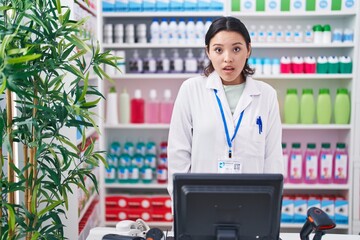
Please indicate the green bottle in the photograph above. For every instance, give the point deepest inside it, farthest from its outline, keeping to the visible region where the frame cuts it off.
(307, 107)
(323, 106)
(291, 107)
(342, 106)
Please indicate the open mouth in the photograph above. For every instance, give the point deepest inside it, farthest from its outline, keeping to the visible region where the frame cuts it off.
(228, 69)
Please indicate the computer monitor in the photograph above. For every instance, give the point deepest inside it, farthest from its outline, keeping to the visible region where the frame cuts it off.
(227, 206)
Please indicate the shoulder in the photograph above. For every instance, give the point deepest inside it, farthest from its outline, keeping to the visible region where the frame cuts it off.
(263, 87)
(193, 81)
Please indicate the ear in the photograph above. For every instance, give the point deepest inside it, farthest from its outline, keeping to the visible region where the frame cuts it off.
(249, 51)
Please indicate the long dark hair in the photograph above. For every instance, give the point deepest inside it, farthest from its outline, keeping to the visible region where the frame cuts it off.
(230, 24)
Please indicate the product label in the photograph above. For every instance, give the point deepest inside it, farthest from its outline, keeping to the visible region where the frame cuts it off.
(110, 173)
(123, 174)
(326, 166)
(311, 168)
(341, 166)
(296, 168)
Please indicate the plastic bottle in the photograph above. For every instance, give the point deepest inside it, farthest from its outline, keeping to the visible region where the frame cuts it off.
(262, 34)
(342, 106)
(279, 35)
(309, 34)
(164, 31)
(162, 170)
(115, 148)
(176, 5)
(318, 33)
(124, 107)
(291, 107)
(307, 107)
(325, 163)
(286, 162)
(137, 108)
(298, 34)
(285, 64)
(348, 35)
(123, 168)
(141, 33)
(345, 64)
(112, 108)
(323, 106)
(267, 66)
(108, 33)
(337, 35)
(208, 23)
(130, 33)
(190, 31)
(275, 66)
(253, 33)
(140, 149)
(202, 61)
(295, 164)
(204, 5)
(166, 107)
(181, 31)
(309, 64)
(333, 64)
(190, 62)
(149, 5)
(326, 34)
(149, 63)
(146, 172)
(129, 148)
(199, 31)
(259, 66)
(289, 35)
(119, 33)
(270, 34)
(341, 164)
(163, 63)
(322, 65)
(137, 163)
(162, 5)
(310, 164)
(173, 31)
(190, 5)
(176, 63)
(297, 65)
(155, 31)
(152, 109)
(151, 148)
(135, 63)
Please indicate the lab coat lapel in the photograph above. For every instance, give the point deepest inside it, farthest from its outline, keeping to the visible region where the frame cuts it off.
(214, 82)
(246, 98)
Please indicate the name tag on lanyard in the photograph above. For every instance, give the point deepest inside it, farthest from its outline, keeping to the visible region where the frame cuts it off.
(229, 166)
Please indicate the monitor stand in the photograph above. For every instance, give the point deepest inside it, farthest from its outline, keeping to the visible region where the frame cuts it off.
(226, 234)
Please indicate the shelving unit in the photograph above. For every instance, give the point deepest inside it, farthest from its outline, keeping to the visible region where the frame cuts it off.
(298, 132)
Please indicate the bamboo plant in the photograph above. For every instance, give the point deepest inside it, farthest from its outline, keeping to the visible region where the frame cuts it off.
(44, 79)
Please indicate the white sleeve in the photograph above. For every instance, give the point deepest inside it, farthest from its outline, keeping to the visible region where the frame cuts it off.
(273, 150)
(180, 136)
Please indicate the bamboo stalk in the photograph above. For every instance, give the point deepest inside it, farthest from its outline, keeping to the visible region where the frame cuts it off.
(27, 189)
(11, 174)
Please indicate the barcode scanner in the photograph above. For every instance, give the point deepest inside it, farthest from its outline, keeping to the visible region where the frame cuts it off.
(318, 221)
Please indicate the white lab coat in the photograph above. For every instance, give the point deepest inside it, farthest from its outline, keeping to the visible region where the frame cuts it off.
(197, 137)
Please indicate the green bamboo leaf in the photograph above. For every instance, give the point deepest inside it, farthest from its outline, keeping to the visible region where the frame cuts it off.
(35, 235)
(63, 140)
(58, 6)
(49, 208)
(17, 51)
(77, 55)
(33, 205)
(3, 84)
(64, 194)
(11, 216)
(23, 59)
(103, 73)
(78, 42)
(85, 87)
(91, 104)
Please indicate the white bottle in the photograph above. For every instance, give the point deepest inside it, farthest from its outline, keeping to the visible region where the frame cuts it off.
(112, 107)
(289, 35)
(261, 34)
(130, 33)
(203, 61)
(176, 63)
(190, 63)
(119, 33)
(155, 31)
(141, 33)
(166, 107)
(149, 63)
(181, 31)
(190, 31)
(280, 36)
(253, 34)
(163, 63)
(270, 34)
(309, 34)
(124, 107)
(173, 31)
(108, 33)
(208, 22)
(164, 31)
(199, 31)
(298, 34)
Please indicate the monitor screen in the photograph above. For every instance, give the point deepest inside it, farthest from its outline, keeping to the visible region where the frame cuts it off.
(227, 206)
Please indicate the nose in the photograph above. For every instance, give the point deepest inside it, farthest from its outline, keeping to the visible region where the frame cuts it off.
(228, 57)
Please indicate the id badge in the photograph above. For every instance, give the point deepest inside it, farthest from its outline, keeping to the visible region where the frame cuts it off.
(229, 166)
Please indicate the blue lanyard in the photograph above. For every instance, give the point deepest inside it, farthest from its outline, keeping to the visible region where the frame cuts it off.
(229, 141)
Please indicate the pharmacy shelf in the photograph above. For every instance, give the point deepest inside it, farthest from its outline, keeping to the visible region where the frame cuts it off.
(254, 45)
(83, 211)
(177, 76)
(163, 14)
(287, 15)
(136, 185)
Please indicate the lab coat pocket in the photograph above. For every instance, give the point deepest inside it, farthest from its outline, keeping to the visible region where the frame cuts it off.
(251, 142)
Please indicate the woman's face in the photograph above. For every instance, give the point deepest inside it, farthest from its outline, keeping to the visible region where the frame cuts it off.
(227, 52)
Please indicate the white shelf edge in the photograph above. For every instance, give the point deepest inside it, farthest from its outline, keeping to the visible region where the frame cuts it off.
(137, 126)
(87, 205)
(293, 14)
(136, 185)
(254, 45)
(257, 77)
(332, 186)
(163, 14)
(316, 126)
(86, 7)
(159, 224)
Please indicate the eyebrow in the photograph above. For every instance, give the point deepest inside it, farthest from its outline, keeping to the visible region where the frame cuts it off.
(218, 44)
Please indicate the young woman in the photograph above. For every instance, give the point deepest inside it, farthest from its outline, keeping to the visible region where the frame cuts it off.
(225, 122)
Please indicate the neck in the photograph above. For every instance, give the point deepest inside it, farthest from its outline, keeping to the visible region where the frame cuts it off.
(236, 81)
